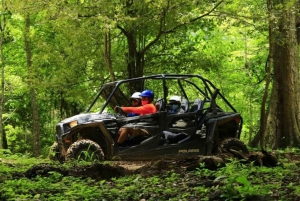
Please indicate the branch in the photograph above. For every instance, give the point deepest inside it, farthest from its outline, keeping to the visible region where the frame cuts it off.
(161, 32)
(193, 20)
(122, 30)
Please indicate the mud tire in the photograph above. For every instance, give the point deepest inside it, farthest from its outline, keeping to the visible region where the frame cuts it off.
(86, 150)
(235, 144)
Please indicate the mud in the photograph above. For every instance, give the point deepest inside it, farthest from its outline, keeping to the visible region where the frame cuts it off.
(117, 169)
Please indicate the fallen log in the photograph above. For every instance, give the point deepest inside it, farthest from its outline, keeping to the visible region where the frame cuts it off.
(262, 158)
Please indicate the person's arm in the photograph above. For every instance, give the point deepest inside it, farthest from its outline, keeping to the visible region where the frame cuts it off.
(145, 109)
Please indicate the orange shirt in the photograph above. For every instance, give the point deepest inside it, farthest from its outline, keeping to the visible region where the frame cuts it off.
(141, 110)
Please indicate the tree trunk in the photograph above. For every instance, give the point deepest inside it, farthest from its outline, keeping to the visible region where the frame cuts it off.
(3, 25)
(135, 64)
(286, 77)
(263, 115)
(254, 142)
(271, 123)
(34, 106)
(251, 121)
(107, 55)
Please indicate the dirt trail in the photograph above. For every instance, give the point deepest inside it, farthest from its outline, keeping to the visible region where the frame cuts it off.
(115, 169)
(131, 165)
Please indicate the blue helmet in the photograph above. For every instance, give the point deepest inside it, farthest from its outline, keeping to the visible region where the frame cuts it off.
(148, 93)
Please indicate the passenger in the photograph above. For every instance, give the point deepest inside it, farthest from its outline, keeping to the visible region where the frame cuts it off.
(173, 137)
(136, 101)
(146, 108)
(175, 102)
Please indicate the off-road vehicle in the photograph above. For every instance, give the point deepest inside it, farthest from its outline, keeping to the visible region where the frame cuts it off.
(209, 122)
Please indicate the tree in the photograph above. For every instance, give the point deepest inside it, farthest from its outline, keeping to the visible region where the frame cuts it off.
(139, 42)
(2, 38)
(283, 120)
(34, 106)
(142, 25)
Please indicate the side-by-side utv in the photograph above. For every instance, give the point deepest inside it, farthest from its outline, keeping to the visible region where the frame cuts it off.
(209, 122)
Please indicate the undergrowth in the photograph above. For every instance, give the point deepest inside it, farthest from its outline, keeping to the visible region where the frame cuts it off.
(235, 181)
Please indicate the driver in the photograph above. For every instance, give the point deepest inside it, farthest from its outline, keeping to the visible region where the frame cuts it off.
(146, 108)
(136, 101)
(147, 105)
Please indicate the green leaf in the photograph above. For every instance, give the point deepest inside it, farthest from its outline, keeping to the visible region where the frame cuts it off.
(243, 180)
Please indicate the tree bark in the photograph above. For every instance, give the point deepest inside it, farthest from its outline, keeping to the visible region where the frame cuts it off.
(135, 63)
(34, 106)
(107, 55)
(286, 76)
(251, 121)
(3, 25)
(255, 141)
(263, 115)
(271, 117)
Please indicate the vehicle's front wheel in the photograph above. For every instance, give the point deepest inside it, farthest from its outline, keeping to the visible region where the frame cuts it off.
(235, 144)
(86, 150)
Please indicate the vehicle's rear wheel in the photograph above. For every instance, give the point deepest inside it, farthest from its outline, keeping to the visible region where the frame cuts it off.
(86, 150)
(234, 144)
(54, 153)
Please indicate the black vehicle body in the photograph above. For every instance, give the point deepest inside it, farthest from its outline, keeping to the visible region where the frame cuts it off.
(205, 120)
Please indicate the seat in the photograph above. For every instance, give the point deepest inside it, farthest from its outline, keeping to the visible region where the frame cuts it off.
(198, 104)
(185, 105)
(159, 104)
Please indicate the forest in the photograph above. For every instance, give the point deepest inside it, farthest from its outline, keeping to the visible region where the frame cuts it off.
(56, 55)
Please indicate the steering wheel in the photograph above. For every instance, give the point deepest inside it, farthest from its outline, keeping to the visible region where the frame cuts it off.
(120, 112)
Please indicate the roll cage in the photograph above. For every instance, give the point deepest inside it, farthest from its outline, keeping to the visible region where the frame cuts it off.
(108, 90)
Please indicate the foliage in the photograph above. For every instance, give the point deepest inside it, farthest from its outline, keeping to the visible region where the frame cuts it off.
(228, 46)
(233, 182)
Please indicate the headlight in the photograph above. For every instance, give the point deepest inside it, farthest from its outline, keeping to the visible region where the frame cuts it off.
(73, 123)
